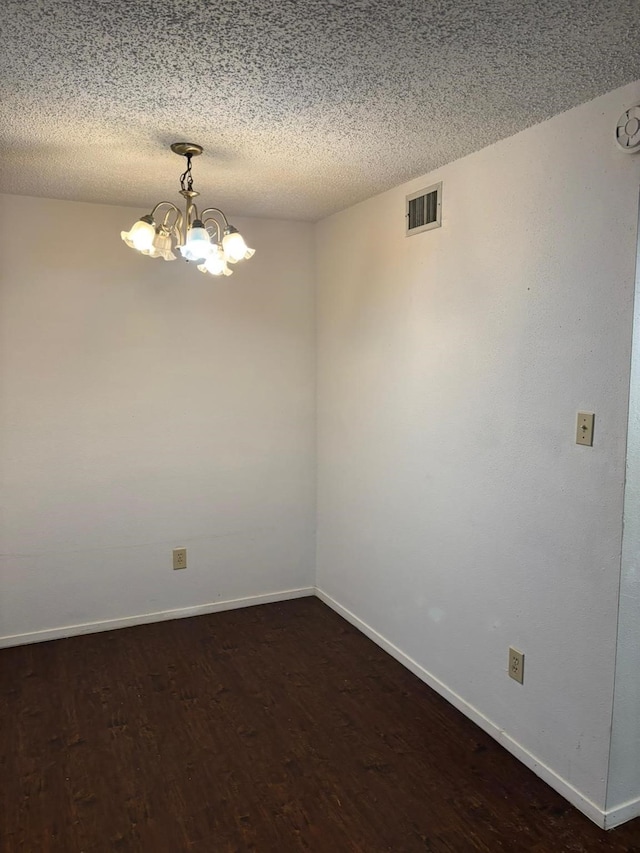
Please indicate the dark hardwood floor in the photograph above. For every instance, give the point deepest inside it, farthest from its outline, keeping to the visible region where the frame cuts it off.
(275, 728)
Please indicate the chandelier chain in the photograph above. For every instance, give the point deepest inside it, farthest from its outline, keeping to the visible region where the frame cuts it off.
(186, 179)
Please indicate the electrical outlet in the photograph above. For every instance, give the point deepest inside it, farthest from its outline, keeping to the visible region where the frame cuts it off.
(516, 665)
(179, 558)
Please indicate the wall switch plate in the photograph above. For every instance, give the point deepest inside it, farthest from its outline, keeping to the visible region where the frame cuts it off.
(179, 558)
(516, 665)
(584, 429)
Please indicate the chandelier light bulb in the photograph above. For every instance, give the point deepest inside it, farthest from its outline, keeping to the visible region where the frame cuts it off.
(141, 235)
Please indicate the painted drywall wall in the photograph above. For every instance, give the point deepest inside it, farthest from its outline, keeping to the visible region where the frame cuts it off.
(623, 793)
(456, 514)
(146, 406)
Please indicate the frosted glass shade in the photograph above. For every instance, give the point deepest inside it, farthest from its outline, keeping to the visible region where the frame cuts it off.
(198, 243)
(162, 247)
(141, 235)
(235, 248)
(216, 263)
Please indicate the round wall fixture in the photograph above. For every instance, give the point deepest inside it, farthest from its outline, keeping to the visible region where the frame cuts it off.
(628, 131)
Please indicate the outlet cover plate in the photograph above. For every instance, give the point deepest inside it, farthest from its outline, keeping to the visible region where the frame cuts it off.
(179, 558)
(584, 429)
(516, 665)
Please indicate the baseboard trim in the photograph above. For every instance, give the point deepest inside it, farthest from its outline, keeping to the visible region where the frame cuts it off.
(621, 814)
(564, 788)
(158, 616)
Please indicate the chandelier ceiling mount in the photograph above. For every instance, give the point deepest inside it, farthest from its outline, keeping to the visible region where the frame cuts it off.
(186, 149)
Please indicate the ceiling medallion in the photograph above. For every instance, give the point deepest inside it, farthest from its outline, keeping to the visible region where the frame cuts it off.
(206, 237)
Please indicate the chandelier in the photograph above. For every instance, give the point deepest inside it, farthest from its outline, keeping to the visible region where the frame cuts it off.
(206, 237)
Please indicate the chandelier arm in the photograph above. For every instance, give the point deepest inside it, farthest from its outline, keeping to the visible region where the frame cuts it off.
(169, 204)
(190, 214)
(216, 210)
(215, 222)
(176, 225)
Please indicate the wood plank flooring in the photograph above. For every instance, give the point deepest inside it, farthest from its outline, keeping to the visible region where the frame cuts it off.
(275, 728)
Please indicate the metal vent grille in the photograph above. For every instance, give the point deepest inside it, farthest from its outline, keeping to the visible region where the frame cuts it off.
(424, 210)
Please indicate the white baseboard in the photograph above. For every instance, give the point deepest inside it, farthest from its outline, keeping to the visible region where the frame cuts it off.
(159, 616)
(564, 788)
(621, 814)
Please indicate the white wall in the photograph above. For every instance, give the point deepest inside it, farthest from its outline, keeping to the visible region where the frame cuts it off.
(623, 793)
(456, 514)
(146, 406)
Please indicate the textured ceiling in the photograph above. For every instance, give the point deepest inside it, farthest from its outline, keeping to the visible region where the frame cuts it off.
(303, 106)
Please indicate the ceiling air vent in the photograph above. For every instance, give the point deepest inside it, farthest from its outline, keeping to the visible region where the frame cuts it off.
(424, 210)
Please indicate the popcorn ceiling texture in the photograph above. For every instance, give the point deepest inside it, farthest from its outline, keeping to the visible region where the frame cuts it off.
(303, 106)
